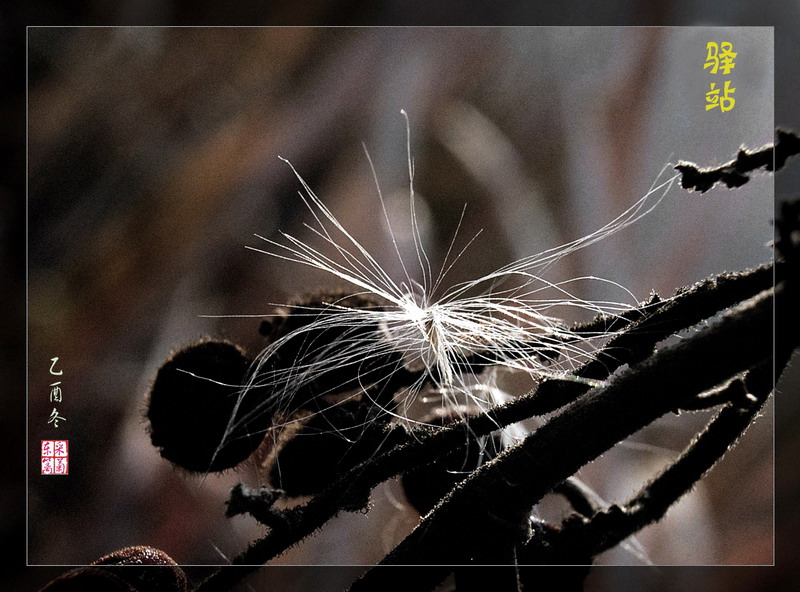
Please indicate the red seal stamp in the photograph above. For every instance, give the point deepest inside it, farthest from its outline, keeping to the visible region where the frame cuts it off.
(55, 457)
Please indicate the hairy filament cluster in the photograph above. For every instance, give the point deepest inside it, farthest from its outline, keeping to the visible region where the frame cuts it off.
(351, 345)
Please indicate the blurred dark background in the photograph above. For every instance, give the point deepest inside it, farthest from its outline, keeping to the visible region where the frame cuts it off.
(153, 159)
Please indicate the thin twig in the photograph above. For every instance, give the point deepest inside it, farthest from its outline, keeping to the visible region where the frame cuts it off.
(737, 172)
(608, 528)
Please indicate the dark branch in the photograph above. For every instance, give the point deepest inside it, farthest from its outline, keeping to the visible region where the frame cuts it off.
(578, 495)
(737, 172)
(687, 308)
(608, 528)
(494, 503)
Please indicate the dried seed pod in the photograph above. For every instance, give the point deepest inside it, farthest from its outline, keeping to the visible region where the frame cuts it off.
(426, 485)
(318, 331)
(326, 445)
(168, 577)
(117, 572)
(193, 398)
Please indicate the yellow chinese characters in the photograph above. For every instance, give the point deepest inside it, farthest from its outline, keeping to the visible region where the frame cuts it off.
(719, 59)
(715, 59)
(724, 102)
